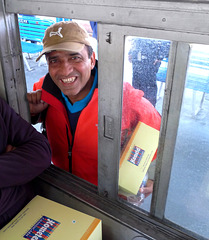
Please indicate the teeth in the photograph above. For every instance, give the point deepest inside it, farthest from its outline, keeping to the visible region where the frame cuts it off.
(69, 80)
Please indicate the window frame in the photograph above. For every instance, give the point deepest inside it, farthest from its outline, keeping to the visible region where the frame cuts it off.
(174, 88)
(115, 20)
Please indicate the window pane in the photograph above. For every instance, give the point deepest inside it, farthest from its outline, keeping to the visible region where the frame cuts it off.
(32, 29)
(145, 67)
(188, 196)
(67, 142)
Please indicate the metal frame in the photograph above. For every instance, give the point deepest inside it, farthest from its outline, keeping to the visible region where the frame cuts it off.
(178, 16)
(119, 222)
(174, 90)
(12, 64)
(2, 86)
(182, 22)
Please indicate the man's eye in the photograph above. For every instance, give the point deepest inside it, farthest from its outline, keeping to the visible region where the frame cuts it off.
(77, 58)
(52, 60)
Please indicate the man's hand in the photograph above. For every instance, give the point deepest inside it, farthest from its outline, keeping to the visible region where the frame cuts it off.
(9, 148)
(35, 103)
(148, 189)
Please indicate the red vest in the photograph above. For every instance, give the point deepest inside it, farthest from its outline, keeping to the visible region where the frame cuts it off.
(38, 85)
(85, 147)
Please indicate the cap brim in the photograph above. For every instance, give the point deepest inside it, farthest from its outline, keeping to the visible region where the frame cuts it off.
(67, 46)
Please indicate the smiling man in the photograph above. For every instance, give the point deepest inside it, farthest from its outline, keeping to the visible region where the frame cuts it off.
(71, 72)
(68, 102)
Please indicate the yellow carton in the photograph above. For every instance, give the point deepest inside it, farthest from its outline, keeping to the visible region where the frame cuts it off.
(44, 219)
(137, 157)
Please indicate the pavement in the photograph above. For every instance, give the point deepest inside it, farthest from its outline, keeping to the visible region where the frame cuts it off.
(38, 70)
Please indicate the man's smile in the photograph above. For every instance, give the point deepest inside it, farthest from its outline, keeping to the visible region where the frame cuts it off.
(68, 80)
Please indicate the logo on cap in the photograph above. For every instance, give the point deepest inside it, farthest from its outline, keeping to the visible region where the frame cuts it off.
(56, 33)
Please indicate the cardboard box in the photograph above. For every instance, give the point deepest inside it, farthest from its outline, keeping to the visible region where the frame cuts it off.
(137, 157)
(44, 219)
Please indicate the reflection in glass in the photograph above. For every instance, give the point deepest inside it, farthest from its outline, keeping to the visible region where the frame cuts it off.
(145, 67)
(145, 57)
(188, 196)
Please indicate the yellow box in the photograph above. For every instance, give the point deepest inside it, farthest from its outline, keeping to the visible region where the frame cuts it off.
(137, 157)
(44, 219)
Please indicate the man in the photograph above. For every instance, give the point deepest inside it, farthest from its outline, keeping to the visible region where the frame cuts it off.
(24, 154)
(68, 101)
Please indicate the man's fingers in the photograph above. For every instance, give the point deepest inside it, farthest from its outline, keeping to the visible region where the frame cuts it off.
(34, 97)
(148, 189)
(35, 103)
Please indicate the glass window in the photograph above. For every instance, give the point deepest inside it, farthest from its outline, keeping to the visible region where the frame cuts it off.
(188, 195)
(32, 32)
(144, 76)
(145, 67)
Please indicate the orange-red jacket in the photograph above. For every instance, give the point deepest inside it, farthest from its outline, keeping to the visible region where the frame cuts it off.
(38, 85)
(85, 146)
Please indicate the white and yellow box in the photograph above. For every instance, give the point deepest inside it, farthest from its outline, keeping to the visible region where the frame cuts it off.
(43, 219)
(136, 157)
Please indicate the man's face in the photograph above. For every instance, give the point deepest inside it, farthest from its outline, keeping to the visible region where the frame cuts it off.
(71, 72)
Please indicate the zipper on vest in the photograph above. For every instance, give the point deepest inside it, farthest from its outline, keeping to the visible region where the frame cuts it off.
(69, 151)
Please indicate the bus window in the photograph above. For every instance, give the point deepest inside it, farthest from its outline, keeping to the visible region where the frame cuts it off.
(189, 172)
(32, 29)
(188, 199)
(32, 32)
(145, 68)
(189, 168)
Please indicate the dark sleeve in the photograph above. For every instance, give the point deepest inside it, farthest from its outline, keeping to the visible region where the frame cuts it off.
(135, 47)
(94, 28)
(164, 49)
(32, 154)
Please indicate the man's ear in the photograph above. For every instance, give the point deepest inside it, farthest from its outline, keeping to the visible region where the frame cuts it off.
(93, 60)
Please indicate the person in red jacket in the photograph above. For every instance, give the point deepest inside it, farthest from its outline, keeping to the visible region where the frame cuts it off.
(68, 102)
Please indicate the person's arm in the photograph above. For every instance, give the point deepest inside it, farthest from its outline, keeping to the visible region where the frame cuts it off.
(147, 190)
(34, 98)
(136, 108)
(35, 103)
(29, 152)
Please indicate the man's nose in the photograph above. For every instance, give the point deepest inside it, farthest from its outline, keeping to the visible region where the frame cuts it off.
(66, 68)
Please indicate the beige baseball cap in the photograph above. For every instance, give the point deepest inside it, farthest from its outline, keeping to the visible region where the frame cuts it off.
(64, 36)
